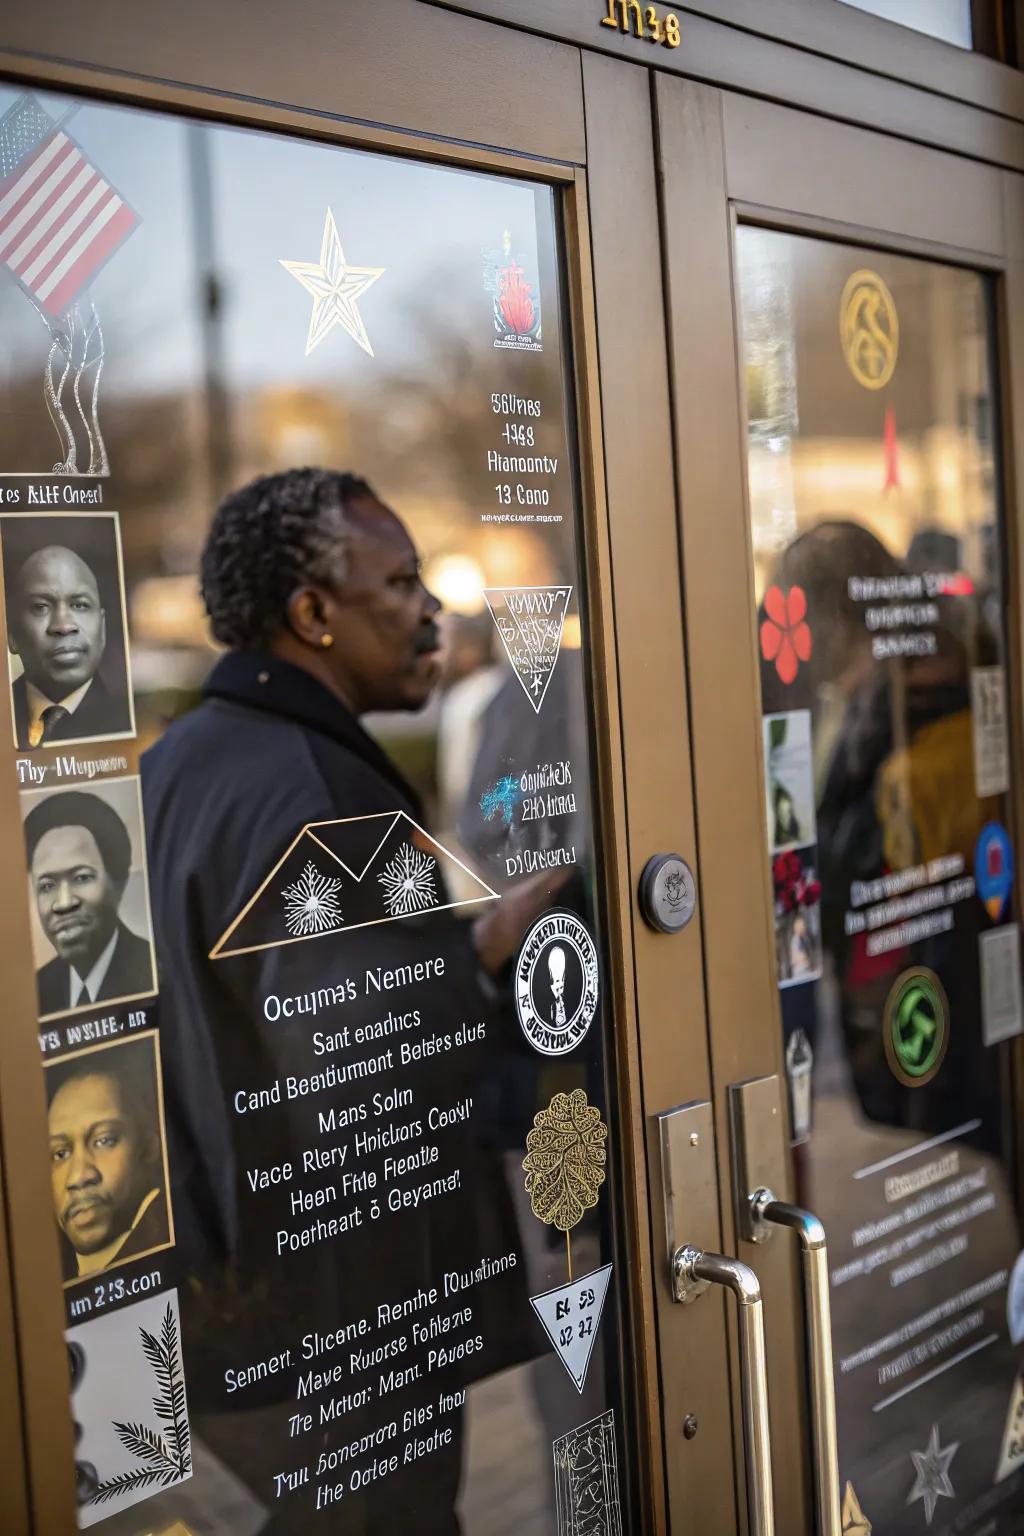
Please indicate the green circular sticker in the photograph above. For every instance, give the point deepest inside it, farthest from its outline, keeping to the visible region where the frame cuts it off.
(916, 1026)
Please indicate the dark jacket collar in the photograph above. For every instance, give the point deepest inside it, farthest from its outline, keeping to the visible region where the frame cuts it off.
(266, 683)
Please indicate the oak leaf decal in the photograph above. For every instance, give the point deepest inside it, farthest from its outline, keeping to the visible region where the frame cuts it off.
(565, 1160)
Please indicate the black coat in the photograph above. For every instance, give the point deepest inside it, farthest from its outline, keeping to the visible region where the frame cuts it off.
(226, 791)
(101, 713)
(129, 974)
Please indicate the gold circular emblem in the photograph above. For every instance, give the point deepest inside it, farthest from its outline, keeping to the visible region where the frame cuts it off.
(869, 328)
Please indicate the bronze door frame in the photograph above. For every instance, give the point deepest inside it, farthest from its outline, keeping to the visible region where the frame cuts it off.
(726, 159)
(420, 83)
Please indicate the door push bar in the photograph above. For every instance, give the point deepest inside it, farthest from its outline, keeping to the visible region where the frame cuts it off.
(691, 1206)
(758, 1150)
(692, 1272)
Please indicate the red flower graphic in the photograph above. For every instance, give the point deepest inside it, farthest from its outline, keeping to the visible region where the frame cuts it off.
(516, 299)
(785, 637)
(794, 886)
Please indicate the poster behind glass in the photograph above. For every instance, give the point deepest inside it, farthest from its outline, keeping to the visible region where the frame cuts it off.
(878, 555)
(325, 1059)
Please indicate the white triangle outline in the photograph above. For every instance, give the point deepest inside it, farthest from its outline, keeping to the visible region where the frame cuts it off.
(552, 587)
(605, 1269)
(218, 952)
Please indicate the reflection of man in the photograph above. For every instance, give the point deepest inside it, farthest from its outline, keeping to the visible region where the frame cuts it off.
(314, 586)
(106, 1166)
(79, 856)
(57, 626)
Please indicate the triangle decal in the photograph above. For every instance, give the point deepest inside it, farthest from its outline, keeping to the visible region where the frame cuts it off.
(530, 621)
(855, 1521)
(571, 1316)
(339, 875)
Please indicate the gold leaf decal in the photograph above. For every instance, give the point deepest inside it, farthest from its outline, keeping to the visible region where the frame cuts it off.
(565, 1158)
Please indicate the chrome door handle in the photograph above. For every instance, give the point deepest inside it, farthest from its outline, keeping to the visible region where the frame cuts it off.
(766, 1211)
(693, 1271)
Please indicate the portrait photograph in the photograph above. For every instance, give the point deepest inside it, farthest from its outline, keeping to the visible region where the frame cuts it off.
(789, 780)
(67, 644)
(797, 888)
(108, 1155)
(92, 934)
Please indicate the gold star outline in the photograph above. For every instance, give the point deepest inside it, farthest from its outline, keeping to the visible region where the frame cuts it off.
(335, 286)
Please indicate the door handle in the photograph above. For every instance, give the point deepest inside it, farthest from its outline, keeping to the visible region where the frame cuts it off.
(693, 1270)
(767, 1212)
(759, 1159)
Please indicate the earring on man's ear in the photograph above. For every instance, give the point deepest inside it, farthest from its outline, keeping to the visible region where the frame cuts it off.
(326, 641)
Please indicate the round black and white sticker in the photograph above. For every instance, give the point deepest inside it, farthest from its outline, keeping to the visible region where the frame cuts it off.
(556, 983)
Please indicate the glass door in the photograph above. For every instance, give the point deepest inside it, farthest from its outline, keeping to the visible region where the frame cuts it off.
(866, 557)
(879, 551)
(311, 937)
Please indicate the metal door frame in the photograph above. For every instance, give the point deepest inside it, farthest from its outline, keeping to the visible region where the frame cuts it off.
(726, 159)
(420, 83)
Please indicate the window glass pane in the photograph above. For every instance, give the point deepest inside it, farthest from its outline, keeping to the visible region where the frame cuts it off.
(878, 556)
(948, 19)
(335, 1186)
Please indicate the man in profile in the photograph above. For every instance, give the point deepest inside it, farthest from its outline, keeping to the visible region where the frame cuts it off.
(79, 857)
(106, 1163)
(57, 626)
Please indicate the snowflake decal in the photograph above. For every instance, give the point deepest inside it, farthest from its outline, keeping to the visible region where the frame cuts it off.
(311, 904)
(408, 881)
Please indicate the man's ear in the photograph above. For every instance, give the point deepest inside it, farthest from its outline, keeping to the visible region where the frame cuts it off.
(12, 644)
(306, 615)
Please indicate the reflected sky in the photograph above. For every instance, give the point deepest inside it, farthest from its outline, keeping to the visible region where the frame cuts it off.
(268, 204)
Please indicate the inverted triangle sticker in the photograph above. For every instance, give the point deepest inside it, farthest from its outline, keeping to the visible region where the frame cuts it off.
(340, 875)
(530, 621)
(571, 1315)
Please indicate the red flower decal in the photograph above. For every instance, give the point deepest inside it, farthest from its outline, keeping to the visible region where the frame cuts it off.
(785, 636)
(794, 886)
(516, 299)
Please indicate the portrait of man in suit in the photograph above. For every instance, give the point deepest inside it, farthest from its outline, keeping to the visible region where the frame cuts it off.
(80, 856)
(72, 684)
(108, 1171)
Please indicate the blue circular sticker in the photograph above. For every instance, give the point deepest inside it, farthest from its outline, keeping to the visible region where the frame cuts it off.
(993, 869)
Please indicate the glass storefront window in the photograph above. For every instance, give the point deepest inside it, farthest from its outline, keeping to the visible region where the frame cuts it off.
(322, 1011)
(949, 20)
(878, 555)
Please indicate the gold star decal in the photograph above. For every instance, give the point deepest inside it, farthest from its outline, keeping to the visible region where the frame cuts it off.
(335, 287)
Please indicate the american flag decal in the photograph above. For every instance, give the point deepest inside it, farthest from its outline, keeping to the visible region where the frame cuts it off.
(60, 219)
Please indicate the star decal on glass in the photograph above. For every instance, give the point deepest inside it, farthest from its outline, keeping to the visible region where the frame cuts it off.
(931, 1466)
(408, 881)
(335, 287)
(311, 904)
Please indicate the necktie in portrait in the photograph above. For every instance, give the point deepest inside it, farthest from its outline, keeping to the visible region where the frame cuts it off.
(42, 730)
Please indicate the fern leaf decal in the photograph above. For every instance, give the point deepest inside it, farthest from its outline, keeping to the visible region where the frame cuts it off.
(163, 1459)
(143, 1443)
(127, 1482)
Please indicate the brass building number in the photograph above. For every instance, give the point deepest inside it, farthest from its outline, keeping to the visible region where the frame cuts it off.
(643, 21)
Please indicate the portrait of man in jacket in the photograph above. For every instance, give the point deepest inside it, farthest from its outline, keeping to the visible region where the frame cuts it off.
(57, 627)
(107, 1157)
(79, 856)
